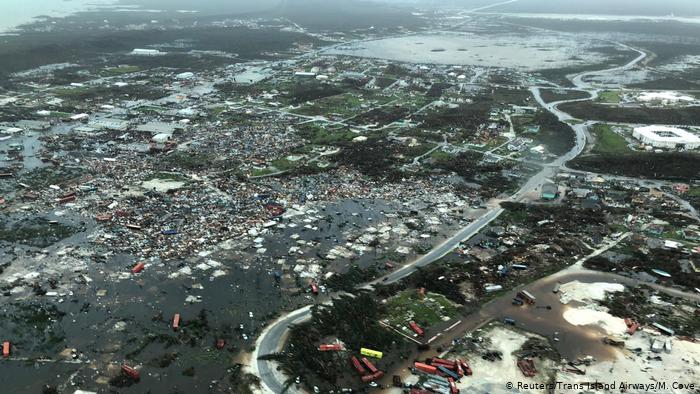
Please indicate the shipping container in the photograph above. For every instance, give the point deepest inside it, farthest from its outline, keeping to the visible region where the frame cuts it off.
(331, 348)
(453, 387)
(6, 349)
(663, 329)
(138, 268)
(130, 372)
(357, 365)
(416, 328)
(425, 368)
(467, 368)
(176, 322)
(66, 200)
(448, 372)
(369, 365)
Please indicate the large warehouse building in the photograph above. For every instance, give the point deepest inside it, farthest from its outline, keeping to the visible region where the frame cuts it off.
(666, 137)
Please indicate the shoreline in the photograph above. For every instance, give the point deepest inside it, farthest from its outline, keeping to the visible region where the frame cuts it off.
(12, 24)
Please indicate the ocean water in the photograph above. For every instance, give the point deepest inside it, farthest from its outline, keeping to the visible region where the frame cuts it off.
(16, 12)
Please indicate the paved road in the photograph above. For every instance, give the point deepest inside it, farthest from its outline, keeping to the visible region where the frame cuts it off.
(272, 339)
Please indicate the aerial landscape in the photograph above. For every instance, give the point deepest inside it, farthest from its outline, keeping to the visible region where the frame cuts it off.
(350, 196)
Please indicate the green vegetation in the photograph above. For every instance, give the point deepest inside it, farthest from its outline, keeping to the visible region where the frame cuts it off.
(353, 320)
(407, 306)
(552, 95)
(318, 134)
(554, 134)
(610, 97)
(35, 232)
(344, 105)
(33, 326)
(608, 141)
(672, 166)
(120, 70)
(607, 113)
(310, 91)
(633, 303)
(353, 277)
(45, 176)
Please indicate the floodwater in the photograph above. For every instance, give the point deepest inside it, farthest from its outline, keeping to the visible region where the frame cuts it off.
(532, 52)
(574, 341)
(18, 12)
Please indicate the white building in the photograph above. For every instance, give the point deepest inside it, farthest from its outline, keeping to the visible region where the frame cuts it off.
(666, 137)
(146, 52)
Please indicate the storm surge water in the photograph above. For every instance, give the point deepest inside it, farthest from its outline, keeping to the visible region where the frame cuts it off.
(17, 12)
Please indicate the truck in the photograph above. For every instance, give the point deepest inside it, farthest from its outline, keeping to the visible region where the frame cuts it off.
(6, 349)
(416, 328)
(314, 288)
(527, 296)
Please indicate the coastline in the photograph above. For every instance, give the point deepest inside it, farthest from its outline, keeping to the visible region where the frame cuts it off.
(23, 12)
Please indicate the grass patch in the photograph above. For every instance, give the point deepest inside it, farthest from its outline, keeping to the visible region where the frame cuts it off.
(407, 306)
(610, 97)
(319, 135)
(608, 141)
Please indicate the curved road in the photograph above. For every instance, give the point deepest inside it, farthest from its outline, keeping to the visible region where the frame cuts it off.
(272, 339)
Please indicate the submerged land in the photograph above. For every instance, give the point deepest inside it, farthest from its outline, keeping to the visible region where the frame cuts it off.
(240, 203)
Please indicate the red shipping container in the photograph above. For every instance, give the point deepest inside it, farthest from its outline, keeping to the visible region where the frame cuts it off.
(358, 367)
(176, 322)
(369, 365)
(425, 368)
(131, 372)
(416, 328)
(138, 268)
(6, 349)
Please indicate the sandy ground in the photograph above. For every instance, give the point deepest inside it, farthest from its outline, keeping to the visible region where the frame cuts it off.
(635, 363)
(591, 314)
(491, 377)
(682, 365)
(586, 292)
(595, 316)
